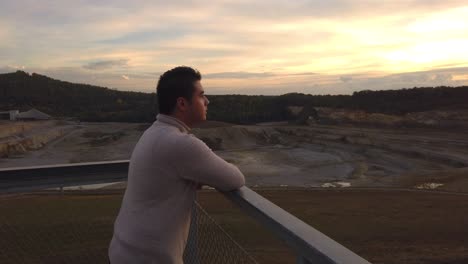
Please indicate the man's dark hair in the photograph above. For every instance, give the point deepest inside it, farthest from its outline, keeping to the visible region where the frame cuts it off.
(175, 83)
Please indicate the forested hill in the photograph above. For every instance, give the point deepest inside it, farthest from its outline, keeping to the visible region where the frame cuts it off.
(22, 91)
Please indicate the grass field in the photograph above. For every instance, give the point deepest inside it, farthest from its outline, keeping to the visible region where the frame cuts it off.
(383, 226)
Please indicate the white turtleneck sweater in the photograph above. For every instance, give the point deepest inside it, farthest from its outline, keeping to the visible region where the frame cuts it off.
(165, 169)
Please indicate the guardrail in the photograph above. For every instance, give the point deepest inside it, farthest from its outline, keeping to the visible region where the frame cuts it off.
(23, 179)
(310, 245)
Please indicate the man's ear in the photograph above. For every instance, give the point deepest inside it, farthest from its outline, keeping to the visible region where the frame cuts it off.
(181, 104)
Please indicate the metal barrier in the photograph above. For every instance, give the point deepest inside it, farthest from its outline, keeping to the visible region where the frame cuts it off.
(310, 245)
(25, 179)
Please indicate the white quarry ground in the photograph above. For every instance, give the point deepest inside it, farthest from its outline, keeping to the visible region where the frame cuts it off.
(429, 185)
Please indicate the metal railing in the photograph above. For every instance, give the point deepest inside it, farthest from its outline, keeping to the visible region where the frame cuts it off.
(23, 179)
(309, 244)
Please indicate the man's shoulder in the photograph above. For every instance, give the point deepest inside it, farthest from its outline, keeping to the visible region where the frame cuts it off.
(188, 140)
(175, 137)
(163, 130)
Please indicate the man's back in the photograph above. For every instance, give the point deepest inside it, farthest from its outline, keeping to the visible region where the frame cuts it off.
(165, 169)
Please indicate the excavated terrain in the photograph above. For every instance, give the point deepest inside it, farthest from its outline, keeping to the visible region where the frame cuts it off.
(334, 156)
(275, 155)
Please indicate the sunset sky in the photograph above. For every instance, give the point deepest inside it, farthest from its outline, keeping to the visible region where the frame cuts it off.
(241, 47)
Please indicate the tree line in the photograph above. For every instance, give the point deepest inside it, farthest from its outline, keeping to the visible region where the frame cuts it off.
(22, 91)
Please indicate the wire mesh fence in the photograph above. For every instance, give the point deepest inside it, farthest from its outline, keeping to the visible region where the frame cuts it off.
(209, 243)
(76, 227)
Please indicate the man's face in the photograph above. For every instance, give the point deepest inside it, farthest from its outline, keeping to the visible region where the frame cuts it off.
(198, 105)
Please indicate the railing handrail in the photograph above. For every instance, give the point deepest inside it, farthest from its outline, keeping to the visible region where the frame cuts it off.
(309, 243)
(22, 179)
(301, 237)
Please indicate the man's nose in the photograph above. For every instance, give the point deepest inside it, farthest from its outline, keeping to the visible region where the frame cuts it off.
(206, 101)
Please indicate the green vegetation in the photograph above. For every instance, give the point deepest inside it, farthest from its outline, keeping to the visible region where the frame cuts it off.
(22, 91)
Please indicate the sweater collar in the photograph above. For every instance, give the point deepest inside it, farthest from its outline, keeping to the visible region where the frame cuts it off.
(173, 122)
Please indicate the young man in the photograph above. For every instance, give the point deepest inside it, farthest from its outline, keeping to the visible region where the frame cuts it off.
(166, 167)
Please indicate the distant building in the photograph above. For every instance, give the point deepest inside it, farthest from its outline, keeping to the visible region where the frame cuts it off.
(9, 115)
(33, 114)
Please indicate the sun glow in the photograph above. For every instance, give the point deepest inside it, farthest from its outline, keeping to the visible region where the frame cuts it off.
(436, 52)
(453, 20)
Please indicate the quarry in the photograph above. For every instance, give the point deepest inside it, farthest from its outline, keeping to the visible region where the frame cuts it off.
(272, 154)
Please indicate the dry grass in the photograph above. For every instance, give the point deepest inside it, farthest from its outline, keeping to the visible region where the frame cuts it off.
(382, 226)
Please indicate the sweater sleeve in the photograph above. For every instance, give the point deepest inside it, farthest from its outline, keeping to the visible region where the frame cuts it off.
(197, 162)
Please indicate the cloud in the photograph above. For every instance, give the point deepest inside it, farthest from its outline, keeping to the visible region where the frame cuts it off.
(443, 78)
(248, 75)
(333, 46)
(146, 36)
(11, 68)
(237, 75)
(285, 10)
(302, 74)
(334, 84)
(431, 78)
(105, 64)
(346, 78)
(6, 69)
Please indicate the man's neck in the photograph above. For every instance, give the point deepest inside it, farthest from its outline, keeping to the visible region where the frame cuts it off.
(182, 119)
